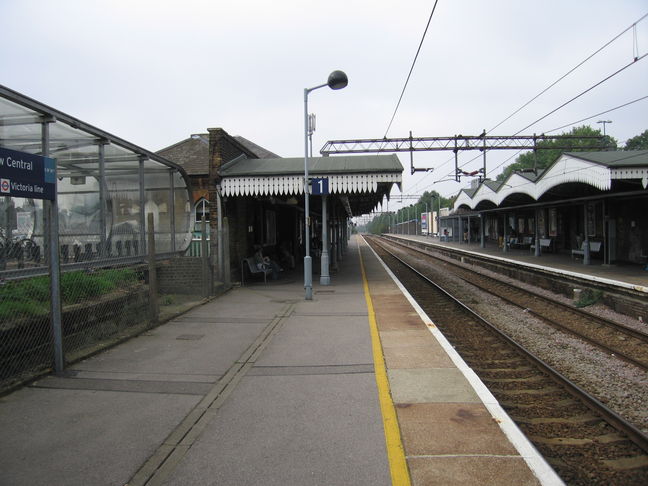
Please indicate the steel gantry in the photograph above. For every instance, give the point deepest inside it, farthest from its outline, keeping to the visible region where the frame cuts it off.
(456, 144)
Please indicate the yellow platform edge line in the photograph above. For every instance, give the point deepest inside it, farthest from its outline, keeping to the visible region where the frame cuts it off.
(395, 451)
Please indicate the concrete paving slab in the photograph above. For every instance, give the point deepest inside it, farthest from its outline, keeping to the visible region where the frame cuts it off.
(470, 471)
(82, 437)
(422, 385)
(448, 429)
(397, 339)
(166, 349)
(415, 357)
(280, 430)
(390, 315)
(413, 349)
(319, 340)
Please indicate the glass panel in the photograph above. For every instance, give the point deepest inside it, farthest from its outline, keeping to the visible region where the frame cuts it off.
(80, 219)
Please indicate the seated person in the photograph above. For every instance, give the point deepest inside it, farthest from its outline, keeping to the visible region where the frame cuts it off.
(286, 256)
(265, 262)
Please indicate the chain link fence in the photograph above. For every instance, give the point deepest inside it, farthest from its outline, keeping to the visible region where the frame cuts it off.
(105, 293)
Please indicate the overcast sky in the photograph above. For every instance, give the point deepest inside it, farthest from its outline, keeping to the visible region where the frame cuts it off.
(154, 72)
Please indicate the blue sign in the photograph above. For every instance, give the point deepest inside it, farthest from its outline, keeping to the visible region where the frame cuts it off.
(320, 186)
(27, 175)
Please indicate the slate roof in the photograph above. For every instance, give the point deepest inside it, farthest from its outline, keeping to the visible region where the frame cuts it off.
(257, 150)
(193, 153)
(614, 158)
(356, 164)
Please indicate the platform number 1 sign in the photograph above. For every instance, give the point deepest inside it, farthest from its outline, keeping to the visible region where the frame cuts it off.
(320, 186)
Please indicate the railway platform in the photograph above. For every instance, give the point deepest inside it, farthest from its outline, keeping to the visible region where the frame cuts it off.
(260, 386)
(624, 275)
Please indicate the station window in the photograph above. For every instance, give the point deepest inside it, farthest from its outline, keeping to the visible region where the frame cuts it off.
(202, 208)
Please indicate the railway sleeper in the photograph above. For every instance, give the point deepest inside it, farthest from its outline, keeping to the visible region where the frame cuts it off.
(565, 402)
(529, 391)
(574, 441)
(587, 419)
(520, 379)
(505, 370)
(626, 463)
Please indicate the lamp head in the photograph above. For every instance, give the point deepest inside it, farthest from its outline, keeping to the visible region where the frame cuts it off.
(337, 80)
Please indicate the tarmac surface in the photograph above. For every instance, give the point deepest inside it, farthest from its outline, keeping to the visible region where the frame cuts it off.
(260, 386)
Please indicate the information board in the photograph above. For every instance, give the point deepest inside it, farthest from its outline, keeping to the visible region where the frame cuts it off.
(27, 175)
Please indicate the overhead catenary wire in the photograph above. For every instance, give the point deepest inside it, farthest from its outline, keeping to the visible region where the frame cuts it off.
(598, 114)
(607, 78)
(636, 58)
(411, 69)
(616, 37)
(574, 123)
(607, 44)
(547, 131)
(634, 61)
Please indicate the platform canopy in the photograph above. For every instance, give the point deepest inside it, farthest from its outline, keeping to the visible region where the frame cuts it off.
(361, 182)
(569, 176)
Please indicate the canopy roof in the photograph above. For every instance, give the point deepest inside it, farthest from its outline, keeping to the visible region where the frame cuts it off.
(594, 171)
(362, 181)
(72, 142)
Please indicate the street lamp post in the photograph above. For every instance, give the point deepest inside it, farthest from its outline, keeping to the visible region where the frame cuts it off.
(604, 122)
(336, 80)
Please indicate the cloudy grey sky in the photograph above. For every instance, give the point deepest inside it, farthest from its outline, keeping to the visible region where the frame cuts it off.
(153, 72)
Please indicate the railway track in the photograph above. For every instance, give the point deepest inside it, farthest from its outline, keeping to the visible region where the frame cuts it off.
(585, 442)
(613, 338)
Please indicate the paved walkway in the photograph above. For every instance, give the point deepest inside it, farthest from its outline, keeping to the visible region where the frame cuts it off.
(255, 387)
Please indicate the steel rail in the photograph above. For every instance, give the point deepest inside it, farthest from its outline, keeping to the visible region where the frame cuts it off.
(614, 419)
(578, 312)
(622, 328)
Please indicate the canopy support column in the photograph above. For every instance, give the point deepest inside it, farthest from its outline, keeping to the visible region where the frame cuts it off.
(325, 278)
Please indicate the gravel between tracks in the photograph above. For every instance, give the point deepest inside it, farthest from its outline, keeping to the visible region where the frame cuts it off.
(621, 386)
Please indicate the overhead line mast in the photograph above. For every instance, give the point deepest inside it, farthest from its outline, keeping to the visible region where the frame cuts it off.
(456, 144)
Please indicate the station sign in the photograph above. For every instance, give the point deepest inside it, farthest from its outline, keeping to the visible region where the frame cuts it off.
(320, 186)
(27, 175)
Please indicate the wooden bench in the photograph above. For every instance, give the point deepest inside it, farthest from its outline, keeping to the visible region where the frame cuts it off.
(545, 244)
(595, 247)
(254, 268)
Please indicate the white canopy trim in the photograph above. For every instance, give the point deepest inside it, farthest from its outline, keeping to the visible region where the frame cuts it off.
(632, 173)
(565, 170)
(294, 185)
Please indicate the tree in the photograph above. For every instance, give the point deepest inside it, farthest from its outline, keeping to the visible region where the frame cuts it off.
(640, 142)
(547, 155)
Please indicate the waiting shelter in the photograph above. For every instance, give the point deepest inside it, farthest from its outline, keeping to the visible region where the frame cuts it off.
(267, 198)
(105, 187)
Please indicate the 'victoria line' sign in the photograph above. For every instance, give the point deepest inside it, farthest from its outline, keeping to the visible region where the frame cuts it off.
(27, 175)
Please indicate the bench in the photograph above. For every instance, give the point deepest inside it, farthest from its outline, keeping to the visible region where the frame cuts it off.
(595, 247)
(253, 268)
(545, 244)
(523, 242)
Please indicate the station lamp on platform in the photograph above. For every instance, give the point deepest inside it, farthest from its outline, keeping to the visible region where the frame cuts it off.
(336, 80)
